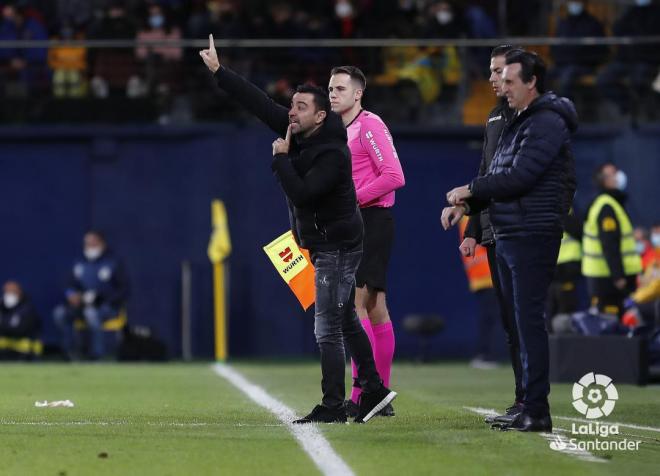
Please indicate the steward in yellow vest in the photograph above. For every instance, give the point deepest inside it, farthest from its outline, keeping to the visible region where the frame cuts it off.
(611, 263)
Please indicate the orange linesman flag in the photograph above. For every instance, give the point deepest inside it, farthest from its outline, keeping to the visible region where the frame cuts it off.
(294, 266)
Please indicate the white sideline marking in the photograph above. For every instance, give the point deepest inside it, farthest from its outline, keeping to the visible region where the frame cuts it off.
(550, 438)
(309, 436)
(129, 423)
(622, 425)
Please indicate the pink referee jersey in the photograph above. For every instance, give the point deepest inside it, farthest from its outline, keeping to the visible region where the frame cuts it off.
(377, 171)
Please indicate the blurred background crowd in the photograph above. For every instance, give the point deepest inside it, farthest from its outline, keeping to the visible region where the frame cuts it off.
(93, 92)
(427, 82)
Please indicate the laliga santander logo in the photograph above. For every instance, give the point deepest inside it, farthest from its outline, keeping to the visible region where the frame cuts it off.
(594, 395)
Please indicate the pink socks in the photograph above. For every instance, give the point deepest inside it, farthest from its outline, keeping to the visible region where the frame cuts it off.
(381, 337)
(384, 350)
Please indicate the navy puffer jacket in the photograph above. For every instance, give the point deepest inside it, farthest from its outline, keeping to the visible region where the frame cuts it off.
(531, 181)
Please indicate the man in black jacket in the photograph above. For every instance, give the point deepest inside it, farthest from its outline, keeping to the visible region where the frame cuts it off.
(629, 75)
(480, 231)
(18, 321)
(575, 61)
(528, 190)
(313, 166)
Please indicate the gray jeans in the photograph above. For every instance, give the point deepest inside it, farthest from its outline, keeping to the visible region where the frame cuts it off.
(335, 320)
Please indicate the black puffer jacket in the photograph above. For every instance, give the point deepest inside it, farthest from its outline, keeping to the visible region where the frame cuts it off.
(316, 175)
(531, 181)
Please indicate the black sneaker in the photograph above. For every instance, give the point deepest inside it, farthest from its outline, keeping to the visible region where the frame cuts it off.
(373, 402)
(387, 411)
(509, 414)
(321, 414)
(351, 408)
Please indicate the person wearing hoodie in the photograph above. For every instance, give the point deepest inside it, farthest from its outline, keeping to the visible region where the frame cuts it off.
(528, 191)
(611, 262)
(313, 165)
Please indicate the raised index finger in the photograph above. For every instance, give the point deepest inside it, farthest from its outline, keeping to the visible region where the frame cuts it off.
(288, 134)
(211, 44)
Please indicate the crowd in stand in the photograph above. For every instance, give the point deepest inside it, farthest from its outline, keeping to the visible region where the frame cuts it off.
(74, 71)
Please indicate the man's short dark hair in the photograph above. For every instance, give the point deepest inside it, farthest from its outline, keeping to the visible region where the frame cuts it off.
(598, 172)
(321, 100)
(356, 74)
(501, 50)
(97, 233)
(531, 65)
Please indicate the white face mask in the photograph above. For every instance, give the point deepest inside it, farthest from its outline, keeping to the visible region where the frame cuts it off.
(156, 21)
(93, 252)
(444, 17)
(655, 240)
(343, 9)
(574, 8)
(10, 300)
(621, 180)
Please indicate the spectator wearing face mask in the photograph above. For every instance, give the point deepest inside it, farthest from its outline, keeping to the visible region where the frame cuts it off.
(22, 70)
(611, 262)
(445, 21)
(97, 291)
(643, 246)
(19, 322)
(574, 61)
(629, 76)
(160, 68)
(156, 27)
(643, 307)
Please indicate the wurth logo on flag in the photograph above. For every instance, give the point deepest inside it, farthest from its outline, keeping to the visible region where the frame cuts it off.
(286, 255)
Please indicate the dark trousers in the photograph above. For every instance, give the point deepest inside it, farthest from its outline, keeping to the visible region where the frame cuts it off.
(526, 266)
(335, 320)
(606, 297)
(488, 316)
(563, 295)
(508, 323)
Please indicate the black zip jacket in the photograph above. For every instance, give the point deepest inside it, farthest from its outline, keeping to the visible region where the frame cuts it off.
(19, 321)
(316, 175)
(479, 226)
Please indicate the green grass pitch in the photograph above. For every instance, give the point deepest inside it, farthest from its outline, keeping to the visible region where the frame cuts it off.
(183, 419)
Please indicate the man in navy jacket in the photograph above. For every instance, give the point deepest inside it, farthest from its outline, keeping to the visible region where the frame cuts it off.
(528, 191)
(97, 291)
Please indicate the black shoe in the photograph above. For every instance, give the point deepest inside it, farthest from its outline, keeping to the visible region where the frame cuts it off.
(351, 408)
(525, 422)
(387, 411)
(373, 402)
(508, 416)
(321, 414)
